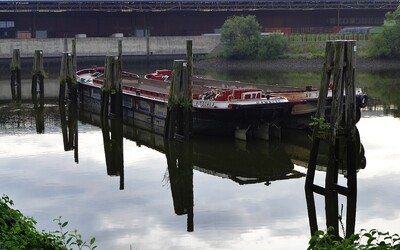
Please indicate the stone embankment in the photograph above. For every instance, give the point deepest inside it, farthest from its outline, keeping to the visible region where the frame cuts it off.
(86, 47)
(157, 47)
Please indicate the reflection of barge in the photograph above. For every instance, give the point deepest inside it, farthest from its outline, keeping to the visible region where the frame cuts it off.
(250, 162)
(245, 163)
(214, 109)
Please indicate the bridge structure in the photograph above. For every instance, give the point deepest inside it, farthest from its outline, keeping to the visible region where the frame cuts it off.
(102, 18)
(191, 5)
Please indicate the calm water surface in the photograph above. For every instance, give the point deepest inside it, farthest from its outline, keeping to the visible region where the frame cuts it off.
(238, 195)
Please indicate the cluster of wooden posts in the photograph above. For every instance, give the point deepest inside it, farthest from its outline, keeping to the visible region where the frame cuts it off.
(342, 137)
(38, 76)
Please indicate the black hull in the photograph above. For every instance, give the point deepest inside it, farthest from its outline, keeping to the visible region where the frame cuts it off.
(151, 113)
(226, 121)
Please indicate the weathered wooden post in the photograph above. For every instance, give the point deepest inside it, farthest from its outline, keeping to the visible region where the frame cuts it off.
(105, 90)
(112, 88)
(120, 53)
(187, 92)
(116, 89)
(341, 135)
(15, 83)
(74, 59)
(179, 116)
(67, 79)
(38, 74)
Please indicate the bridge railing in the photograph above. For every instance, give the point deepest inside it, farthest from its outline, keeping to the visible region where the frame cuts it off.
(325, 37)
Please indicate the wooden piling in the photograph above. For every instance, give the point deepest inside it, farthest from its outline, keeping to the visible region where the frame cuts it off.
(189, 59)
(112, 88)
(179, 115)
(341, 135)
(120, 52)
(38, 74)
(74, 56)
(15, 83)
(67, 79)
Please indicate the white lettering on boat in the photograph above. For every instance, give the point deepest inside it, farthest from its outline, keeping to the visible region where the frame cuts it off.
(204, 103)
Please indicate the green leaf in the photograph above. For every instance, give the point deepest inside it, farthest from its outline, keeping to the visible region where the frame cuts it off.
(64, 224)
(92, 240)
(69, 240)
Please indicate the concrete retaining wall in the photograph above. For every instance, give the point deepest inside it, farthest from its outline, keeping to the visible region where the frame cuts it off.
(54, 47)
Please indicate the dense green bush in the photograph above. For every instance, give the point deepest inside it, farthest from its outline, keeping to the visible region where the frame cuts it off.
(387, 42)
(241, 36)
(364, 240)
(18, 231)
(272, 46)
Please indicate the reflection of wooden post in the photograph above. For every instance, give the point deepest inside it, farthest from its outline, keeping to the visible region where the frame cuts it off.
(179, 117)
(180, 169)
(113, 148)
(69, 128)
(39, 116)
(342, 135)
(38, 74)
(16, 76)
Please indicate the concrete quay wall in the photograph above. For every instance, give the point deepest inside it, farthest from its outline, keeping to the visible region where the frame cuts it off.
(54, 47)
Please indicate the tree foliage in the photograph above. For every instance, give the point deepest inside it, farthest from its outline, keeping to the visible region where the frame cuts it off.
(387, 42)
(365, 240)
(272, 46)
(241, 36)
(18, 231)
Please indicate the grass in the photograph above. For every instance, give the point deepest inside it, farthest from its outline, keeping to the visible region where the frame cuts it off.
(313, 50)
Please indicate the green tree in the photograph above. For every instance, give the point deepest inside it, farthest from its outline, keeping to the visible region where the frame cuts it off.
(240, 36)
(272, 46)
(387, 42)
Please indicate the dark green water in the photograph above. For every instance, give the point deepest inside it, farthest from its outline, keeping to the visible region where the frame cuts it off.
(138, 191)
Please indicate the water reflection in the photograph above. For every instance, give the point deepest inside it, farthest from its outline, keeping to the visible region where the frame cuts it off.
(180, 172)
(69, 128)
(113, 148)
(242, 162)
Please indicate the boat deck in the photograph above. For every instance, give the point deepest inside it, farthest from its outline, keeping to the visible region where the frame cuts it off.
(201, 81)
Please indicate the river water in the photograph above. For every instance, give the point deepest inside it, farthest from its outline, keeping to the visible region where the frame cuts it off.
(213, 193)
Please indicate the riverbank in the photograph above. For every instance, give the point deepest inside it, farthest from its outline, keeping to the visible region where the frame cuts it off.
(290, 65)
